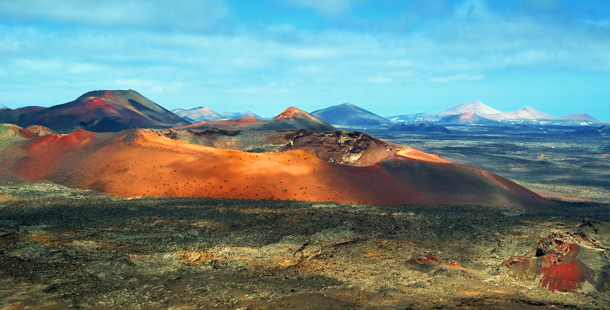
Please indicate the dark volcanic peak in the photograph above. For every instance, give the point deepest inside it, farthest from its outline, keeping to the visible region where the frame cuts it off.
(475, 107)
(198, 114)
(102, 111)
(135, 101)
(349, 114)
(579, 117)
(424, 126)
(467, 118)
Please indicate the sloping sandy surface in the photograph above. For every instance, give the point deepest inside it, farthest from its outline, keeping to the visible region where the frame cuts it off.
(62, 248)
(140, 163)
(351, 148)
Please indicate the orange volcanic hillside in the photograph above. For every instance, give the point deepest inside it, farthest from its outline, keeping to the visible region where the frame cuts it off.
(139, 162)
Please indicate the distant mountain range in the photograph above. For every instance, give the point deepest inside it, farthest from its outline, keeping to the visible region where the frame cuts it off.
(3, 106)
(116, 110)
(349, 114)
(475, 112)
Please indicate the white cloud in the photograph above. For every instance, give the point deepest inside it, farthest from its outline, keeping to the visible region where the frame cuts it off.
(159, 14)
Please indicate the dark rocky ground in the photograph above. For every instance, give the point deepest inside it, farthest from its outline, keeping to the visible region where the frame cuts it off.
(67, 249)
(62, 248)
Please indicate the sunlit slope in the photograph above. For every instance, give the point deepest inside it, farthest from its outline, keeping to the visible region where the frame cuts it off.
(138, 162)
(343, 147)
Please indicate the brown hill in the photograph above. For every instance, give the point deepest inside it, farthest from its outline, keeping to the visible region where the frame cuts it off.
(102, 111)
(291, 118)
(141, 163)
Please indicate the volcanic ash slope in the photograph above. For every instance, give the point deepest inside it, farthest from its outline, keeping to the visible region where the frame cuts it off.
(140, 163)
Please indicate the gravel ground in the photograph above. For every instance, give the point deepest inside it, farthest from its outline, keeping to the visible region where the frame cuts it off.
(62, 248)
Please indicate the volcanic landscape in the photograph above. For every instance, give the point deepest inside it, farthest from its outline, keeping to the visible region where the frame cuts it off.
(112, 201)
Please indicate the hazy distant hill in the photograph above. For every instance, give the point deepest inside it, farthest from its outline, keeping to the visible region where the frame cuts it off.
(424, 126)
(232, 115)
(199, 114)
(474, 107)
(100, 111)
(467, 118)
(526, 113)
(3, 106)
(349, 114)
(579, 117)
(9, 116)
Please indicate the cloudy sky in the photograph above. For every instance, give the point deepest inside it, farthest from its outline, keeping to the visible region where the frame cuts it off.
(388, 56)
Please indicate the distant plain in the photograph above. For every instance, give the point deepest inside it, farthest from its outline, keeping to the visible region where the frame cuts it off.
(573, 164)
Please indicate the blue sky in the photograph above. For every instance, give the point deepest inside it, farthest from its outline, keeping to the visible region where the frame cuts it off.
(388, 56)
